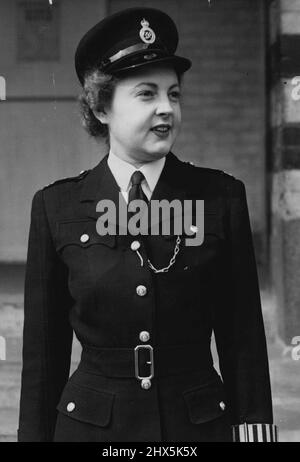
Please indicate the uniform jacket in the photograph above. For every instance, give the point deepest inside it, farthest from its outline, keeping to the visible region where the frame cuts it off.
(89, 285)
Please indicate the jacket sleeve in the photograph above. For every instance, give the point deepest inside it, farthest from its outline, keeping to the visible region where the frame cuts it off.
(239, 330)
(47, 334)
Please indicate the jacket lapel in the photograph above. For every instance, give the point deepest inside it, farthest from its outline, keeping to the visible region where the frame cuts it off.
(169, 186)
(100, 184)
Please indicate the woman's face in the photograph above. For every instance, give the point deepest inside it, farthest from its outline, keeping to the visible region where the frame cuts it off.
(144, 116)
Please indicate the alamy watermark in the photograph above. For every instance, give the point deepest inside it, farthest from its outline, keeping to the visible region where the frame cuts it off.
(155, 218)
(296, 349)
(2, 88)
(296, 90)
(2, 348)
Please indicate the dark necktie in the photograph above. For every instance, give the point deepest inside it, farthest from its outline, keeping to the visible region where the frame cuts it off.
(136, 191)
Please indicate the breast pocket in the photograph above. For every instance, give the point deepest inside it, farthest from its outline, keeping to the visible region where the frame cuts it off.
(213, 227)
(195, 258)
(86, 253)
(85, 414)
(82, 234)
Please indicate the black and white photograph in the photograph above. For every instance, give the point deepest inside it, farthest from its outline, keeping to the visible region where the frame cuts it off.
(150, 223)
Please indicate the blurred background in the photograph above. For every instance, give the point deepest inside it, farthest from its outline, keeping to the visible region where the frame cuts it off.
(241, 114)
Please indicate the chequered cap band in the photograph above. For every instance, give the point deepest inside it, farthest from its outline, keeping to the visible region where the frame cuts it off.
(264, 433)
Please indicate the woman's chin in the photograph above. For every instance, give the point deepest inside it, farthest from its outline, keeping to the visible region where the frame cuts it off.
(158, 153)
(160, 148)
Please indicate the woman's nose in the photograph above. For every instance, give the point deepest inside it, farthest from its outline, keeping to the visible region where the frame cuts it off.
(164, 106)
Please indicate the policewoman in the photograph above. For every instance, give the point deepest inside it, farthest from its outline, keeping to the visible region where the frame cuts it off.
(142, 306)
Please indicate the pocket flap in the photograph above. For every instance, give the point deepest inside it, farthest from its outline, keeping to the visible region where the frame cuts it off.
(213, 225)
(82, 233)
(205, 403)
(86, 404)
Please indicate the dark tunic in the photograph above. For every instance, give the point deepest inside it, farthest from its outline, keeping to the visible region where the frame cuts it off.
(90, 286)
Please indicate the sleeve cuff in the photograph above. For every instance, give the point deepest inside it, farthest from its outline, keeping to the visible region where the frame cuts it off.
(251, 433)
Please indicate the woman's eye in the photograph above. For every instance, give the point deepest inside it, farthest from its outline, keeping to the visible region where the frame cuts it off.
(146, 93)
(149, 94)
(175, 95)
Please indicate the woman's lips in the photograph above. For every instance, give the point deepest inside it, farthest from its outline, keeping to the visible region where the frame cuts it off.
(162, 131)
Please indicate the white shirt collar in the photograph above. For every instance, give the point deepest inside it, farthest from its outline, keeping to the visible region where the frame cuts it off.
(123, 170)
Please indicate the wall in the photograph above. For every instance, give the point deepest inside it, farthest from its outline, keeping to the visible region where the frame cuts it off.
(41, 137)
(284, 165)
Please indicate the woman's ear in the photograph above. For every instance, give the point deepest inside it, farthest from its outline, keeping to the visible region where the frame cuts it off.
(101, 116)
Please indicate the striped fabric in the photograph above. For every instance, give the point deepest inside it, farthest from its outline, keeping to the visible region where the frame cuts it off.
(251, 433)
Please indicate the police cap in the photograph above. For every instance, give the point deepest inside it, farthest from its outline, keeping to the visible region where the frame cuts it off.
(129, 39)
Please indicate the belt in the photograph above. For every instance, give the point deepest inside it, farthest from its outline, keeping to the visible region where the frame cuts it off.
(145, 362)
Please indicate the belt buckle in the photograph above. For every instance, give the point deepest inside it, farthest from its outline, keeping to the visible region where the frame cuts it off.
(136, 362)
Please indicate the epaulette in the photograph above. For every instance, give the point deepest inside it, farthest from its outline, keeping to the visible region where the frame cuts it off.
(213, 170)
(81, 175)
(222, 172)
(216, 170)
(226, 173)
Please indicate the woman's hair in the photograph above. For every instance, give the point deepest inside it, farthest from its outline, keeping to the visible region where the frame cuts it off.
(97, 94)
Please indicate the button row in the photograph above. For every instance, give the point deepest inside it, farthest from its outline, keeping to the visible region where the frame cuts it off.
(135, 245)
(144, 335)
(145, 384)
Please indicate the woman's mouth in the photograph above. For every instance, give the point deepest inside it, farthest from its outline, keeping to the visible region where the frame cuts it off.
(161, 130)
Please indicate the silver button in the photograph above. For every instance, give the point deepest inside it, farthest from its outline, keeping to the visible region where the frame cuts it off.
(194, 229)
(84, 238)
(146, 384)
(135, 245)
(141, 290)
(144, 336)
(222, 405)
(70, 407)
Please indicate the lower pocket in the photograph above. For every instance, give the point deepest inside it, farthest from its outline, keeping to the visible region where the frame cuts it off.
(206, 402)
(86, 404)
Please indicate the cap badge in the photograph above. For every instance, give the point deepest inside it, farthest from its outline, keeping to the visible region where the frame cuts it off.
(146, 33)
